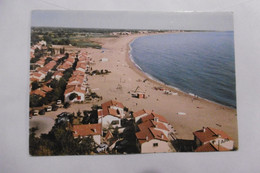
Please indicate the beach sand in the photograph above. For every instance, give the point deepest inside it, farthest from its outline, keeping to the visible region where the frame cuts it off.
(125, 78)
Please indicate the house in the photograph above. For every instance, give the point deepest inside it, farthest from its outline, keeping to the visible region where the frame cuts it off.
(111, 114)
(38, 76)
(86, 130)
(156, 118)
(81, 67)
(209, 138)
(46, 89)
(151, 140)
(74, 89)
(139, 114)
(50, 65)
(43, 70)
(41, 62)
(57, 75)
(38, 92)
(209, 147)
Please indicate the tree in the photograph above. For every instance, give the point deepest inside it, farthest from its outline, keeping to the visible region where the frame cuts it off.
(86, 145)
(35, 85)
(66, 104)
(48, 76)
(34, 38)
(42, 112)
(78, 113)
(35, 100)
(47, 60)
(73, 96)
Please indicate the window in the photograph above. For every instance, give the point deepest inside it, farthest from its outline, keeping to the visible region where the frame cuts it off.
(155, 144)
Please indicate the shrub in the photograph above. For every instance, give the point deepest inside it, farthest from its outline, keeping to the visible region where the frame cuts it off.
(42, 112)
(73, 96)
(125, 109)
(66, 104)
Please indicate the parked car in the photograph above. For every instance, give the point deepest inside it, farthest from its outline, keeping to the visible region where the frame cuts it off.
(48, 108)
(36, 112)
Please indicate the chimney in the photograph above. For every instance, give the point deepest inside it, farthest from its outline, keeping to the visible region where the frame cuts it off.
(204, 129)
(162, 136)
(146, 138)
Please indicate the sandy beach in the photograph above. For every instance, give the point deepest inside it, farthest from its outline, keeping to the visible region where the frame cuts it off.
(125, 78)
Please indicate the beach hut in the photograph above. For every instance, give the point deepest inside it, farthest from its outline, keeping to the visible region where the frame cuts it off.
(140, 95)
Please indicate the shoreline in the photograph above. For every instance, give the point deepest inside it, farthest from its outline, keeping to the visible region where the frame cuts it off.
(139, 71)
(199, 112)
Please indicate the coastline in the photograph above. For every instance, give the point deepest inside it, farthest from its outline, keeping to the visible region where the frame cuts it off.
(138, 70)
(124, 73)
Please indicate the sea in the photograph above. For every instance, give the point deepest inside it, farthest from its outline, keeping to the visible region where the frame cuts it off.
(199, 63)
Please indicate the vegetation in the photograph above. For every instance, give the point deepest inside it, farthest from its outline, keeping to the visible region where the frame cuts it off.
(66, 104)
(47, 60)
(90, 117)
(36, 100)
(73, 96)
(35, 85)
(48, 76)
(42, 112)
(59, 141)
(101, 72)
(66, 36)
(37, 55)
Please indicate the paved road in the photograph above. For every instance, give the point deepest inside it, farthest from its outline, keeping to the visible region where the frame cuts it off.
(43, 123)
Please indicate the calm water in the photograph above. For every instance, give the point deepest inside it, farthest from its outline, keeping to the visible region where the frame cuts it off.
(201, 63)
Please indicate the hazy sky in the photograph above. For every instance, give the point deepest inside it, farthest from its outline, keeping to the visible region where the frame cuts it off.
(134, 20)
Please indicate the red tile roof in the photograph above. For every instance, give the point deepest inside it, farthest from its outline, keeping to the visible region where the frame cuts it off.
(141, 112)
(108, 104)
(37, 74)
(50, 65)
(86, 130)
(38, 92)
(73, 88)
(34, 79)
(71, 60)
(210, 147)
(152, 116)
(159, 125)
(210, 134)
(113, 112)
(148, 132)
(46, 88)
(58, 73)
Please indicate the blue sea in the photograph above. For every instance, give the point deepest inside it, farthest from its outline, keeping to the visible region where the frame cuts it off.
(201, 63)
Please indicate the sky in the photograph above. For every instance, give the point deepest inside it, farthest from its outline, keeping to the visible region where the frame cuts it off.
(222, 21)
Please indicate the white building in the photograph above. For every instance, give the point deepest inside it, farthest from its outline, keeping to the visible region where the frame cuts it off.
(151, 140)
(111, 114)
(210, 137)
(74, 89)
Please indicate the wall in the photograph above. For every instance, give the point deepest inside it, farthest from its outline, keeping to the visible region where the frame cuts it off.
(148, 147)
